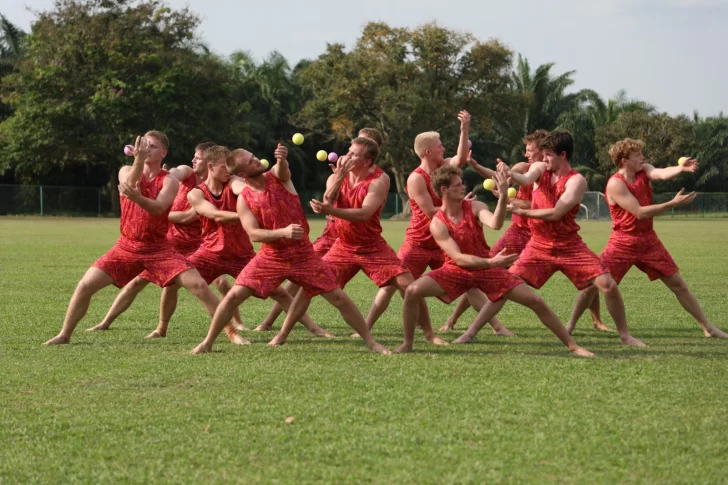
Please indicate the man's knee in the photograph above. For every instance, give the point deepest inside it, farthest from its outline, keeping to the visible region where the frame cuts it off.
(606, 284)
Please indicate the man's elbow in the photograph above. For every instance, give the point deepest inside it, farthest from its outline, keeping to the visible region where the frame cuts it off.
(641, 215)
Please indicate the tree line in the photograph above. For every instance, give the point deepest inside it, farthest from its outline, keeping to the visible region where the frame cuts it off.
(92, 74)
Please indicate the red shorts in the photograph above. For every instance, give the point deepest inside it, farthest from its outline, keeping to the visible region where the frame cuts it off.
(514, 241)
(377, 260)
(646, 252)
(494, 282)
(268, 269)
(160, 264)
(211, 265)
(322, 245)
(185, 248)
(417, 258)
(537, 263)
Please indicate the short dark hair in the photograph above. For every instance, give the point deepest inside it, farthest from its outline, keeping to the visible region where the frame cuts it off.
(204, 146)
(372, 133)
(559, 141)
(371, 147)
(442, 177)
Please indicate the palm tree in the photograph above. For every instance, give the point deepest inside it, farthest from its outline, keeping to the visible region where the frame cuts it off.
(712, 139)
(12, 48)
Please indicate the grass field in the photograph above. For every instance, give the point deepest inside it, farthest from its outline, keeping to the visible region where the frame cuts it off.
(115, 408)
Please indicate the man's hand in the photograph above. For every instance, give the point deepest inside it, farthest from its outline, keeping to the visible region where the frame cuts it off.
(343, 165)
(681, 198)
(129, 191)
(321, 207)
(140, 148)
(470, 197)
(503, 260)
(501, 182)
(514, 209)
(281, 152)
(294, 231)
(464, 118)
(690, 165)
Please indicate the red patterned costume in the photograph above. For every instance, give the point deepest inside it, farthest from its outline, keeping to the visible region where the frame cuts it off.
(419, 249)
(634, 241)
(327, 238)
(295, 260)
(143, 244)
(360, 245)
(455, 280)
(226, 248)
(185, 238)
(556, 245)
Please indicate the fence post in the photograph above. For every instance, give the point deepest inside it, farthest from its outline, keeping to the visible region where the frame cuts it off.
(41, 200)
(396, 203)
(98, 192)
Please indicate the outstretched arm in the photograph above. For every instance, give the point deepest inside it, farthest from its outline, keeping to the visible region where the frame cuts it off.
(203, 207)
(668, 173)
(257, 234)
(450, 247)
(485, 172)
(463, 146)
(618, 192)
(529, 178)
(153, 206)
(374, 199)
(281, 170)
(180, 172)
(182, 217)
(494, 220)
(573, 194)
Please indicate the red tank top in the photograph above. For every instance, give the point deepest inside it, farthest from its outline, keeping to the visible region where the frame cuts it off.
(418, 230)
(468, 234)
(227, 240)
(545, 197)
(622, 220)
(139, 226)
(330, 231)
(352, 197)
(524, 193)
(275, 208)
(185, 233)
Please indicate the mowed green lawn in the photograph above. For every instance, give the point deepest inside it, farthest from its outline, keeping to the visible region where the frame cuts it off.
(113, 407)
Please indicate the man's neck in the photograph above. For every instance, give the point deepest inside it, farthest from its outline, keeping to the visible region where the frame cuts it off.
(199, 178)
(429, 165)
(256, 182)
(151, 170)
(627, 174)
(453, 209)
(357, 175)
(214, 185)
(562, 171)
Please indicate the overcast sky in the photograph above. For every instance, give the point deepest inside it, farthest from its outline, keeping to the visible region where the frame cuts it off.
(671, 53)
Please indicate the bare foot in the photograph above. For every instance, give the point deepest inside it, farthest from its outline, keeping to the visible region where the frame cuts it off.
(323, 333)
(632, 341)
(503, 332)
(240, 327)
(601, 327)
(355, 335)
(378, 348)
(100, 326)
(157, 334)
(715, 333)
(570, 328)
(435, 340)
(464, 339)
(403, 349)
(58, 340)
(201, 349)
(238, 340)
(263, 327)
(277, 341)
(581, 352)
(447, 327)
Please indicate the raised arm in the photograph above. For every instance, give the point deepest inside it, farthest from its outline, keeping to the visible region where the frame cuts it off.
(463, 145)
(417, 190)
(257, 234)
(618, 192)
(281, 169)
(529, 178)
(132, 175)
(494, 220)
(153, 206)
(333, 184)
(573, 194)
(668, 173)
(203, 207)
(374, 199)
(181, 172)
(442, 236)
(485, 172)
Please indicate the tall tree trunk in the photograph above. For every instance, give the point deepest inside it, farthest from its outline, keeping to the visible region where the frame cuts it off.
(401, 184)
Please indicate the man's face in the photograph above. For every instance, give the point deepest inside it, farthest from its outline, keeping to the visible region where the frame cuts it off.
(533, 152)
(198, 165)
(456, 190)
(218, 171)
(634, 162)
(436, 152)
(357, 153)
(552, 160)
(155, 149)
(248, 165)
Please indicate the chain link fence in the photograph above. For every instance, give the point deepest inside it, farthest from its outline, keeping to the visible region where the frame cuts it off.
(49, 200)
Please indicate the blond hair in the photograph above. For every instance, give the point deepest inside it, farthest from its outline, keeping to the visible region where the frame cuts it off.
(424, 141)
(215, 154)
(231, 160)
(372, 133)
(161, 137)
(624, 149)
